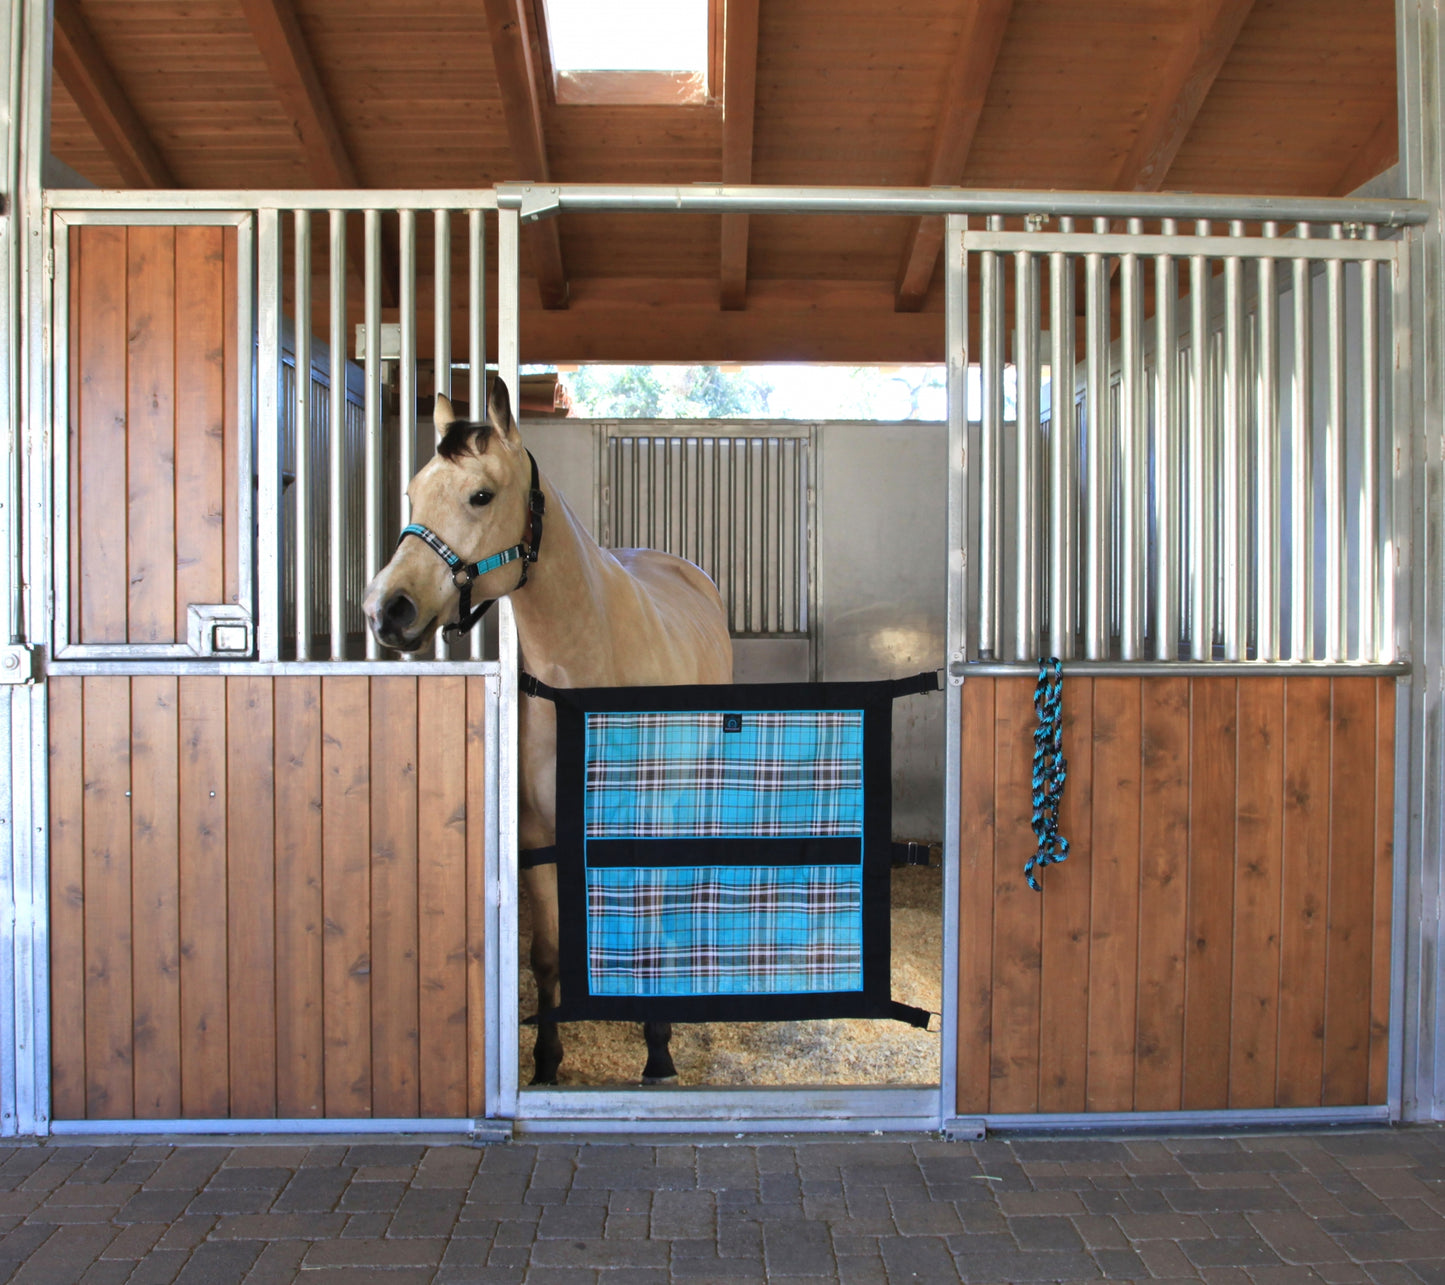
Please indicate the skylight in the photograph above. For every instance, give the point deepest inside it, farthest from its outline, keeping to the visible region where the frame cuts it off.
(628, 51)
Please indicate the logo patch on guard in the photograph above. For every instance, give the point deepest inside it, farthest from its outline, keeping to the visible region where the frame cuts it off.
(732, 722)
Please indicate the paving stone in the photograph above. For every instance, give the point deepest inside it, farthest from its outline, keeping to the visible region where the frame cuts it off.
(627, 1227)
(187, 1231)
(599, 1253)
(1297, 1238)
(159, 1267)
(219, 1263)
(270, 1178)
(107, 1272)
(239, 1200)
(372, 1197)
(1395, 1245)
(1056, 1232)
(922, 1258)
(278, 1263)
(413, 1252)
(308, 1226)
(1229, 1251)
(65, 1254)
(384, 1155)
(802, 1250)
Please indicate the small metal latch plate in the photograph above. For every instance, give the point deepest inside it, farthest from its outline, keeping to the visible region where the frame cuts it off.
(219, 629)
(17, 665)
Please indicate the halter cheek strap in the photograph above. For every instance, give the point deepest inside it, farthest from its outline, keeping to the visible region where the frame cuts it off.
(464, 573)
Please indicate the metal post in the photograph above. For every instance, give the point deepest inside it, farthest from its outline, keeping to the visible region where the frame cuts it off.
(1302, 488)
(1166, 454)
(1063, 589)
(990, 503)
(406, 383)
(1336, 563)
(1232, 569)
(1096, 414)
(301, 470)
(371, 366)
(1264, 465)
(268, 434)
(441, 330)
(1026, 433)
(1370, 537)
(1201, 492)
(1131, 450)
(476, 339)
(336, 438)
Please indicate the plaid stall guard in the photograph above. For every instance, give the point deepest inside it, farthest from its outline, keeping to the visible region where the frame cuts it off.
(725, 852)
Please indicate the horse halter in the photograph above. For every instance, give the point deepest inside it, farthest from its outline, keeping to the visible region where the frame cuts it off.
(464, 573)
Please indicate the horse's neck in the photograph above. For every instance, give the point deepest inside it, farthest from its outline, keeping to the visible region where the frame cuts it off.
(561, 612)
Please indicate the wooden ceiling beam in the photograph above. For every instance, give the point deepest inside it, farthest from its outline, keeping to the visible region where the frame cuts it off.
(978, 46)
(87, 75)
(522, 108)
(1380, 151)
(1184, 85)
(739, 98)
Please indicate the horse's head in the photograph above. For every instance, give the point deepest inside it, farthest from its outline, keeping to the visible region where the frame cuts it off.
(471, 499)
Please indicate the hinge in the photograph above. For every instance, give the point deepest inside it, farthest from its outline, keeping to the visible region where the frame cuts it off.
(50, 263)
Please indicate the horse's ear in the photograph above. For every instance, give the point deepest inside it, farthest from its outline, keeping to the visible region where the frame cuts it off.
(499, 409)
(443, 416)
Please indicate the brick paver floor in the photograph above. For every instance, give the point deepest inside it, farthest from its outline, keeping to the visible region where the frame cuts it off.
(1276, 1209)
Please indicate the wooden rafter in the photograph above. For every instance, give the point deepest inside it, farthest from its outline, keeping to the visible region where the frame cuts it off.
(740, 80)
(283, 48)
(522, 107)
(978, 47)
(1380, 151)
(1186, 81)
(84, 71)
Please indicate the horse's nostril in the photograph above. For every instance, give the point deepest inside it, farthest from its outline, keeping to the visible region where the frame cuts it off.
(399, 611)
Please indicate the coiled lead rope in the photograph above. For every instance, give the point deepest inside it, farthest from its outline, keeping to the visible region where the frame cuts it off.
(1051, 770)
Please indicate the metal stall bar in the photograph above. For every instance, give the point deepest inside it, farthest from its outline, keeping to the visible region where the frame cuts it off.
(1063, 446)
(476, 340)
(1370, 537)
(301, 486)
(1201, 488)
(1132, 447)
(1096, 414)
(268, 435)
(1264, 464)
(1166, 455)
(1336, 563)
(442, 331)
(371, 366)
(336, 439)
(406, 384)
(1233, 570)
(1026, 436)
(990, 502)
(1302, 504)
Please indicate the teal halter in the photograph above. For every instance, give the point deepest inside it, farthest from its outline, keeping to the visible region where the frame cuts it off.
(464, 573)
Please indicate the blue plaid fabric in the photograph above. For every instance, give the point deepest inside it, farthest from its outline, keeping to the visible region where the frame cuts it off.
(680, 775)
(725, 930)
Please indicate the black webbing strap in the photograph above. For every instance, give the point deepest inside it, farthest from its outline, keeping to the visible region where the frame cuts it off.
(531, 686)
(912, 854)
(527, 858)
(907, 1013)
(931, 680)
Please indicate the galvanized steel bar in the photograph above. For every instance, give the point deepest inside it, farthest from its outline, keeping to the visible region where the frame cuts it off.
(1063, 586)
(304, 443)
(1264, 463)
(371, 367)
(990, 504)
(1233, 573)
(406, 383)
(336, 439)
(1026, 437)
(441, 330)
(1167, 628)
(1302, 489)
(1201, 490)
(1370, 537)
(1336, 560)
(1133, 446)
(1096, 414)
(268, 435)
(476, 338)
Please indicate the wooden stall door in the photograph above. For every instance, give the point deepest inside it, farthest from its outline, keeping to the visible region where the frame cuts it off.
(1219, 937)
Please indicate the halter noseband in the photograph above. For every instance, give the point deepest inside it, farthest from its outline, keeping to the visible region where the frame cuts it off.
(464, 573)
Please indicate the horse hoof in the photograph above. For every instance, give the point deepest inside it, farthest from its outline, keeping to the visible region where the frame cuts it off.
(660, 1079)
(543, 1081)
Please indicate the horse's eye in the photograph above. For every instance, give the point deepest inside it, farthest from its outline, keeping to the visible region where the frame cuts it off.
(480, 499)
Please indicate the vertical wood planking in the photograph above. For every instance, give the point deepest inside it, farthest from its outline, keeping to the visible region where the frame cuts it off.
(299, 1087)
(394, 1017)
(251, 891)
(1114, 946)
(1209, 953)
(151, 434)
(67, 900)
(1349, 927)
(442, 824)
(1255, 1004)
(109, 1077)
(975, 895)
(1017, 917)
(1064, 973)
(155, 740)
(1305, 891)
(201, 411)
(346, 894)
(205, 918)
(1163, 892)
(478, 835)
(102, 450)
(1383, 893)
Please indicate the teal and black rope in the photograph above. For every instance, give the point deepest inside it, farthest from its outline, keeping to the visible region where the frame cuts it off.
(1050, 770)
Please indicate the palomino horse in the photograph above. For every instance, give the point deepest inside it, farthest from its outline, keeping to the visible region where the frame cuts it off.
(586, 617)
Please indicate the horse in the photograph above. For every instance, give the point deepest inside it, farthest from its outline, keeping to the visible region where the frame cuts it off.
(586, 617)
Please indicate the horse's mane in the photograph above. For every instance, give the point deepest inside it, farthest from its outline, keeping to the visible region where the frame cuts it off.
(464, 437)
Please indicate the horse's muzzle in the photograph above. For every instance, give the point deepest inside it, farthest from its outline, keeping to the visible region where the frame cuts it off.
(392, 622)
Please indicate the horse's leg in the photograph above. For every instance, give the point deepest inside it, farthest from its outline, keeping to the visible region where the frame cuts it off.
(659, 1068)
(541, 884)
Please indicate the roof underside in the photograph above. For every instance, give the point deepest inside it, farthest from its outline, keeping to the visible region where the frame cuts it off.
(1281, 97)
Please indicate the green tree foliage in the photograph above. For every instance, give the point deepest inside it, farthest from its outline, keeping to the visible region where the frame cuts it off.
(666, 392)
